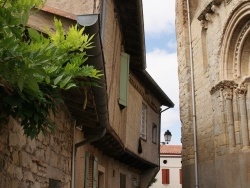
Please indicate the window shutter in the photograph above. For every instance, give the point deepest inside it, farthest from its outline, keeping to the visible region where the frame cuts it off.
(86, 183)
(180, 176)
(124, 79)
(165, 176)
(122, 180)
(95, 173)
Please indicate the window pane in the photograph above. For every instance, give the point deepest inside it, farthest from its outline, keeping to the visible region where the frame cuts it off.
(143, 122)
(54, 183)
(154, 134)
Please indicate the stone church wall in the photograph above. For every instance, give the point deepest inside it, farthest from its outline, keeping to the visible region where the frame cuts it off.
(220, 52)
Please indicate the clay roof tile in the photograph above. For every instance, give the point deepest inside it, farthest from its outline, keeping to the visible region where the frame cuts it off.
(171, 149)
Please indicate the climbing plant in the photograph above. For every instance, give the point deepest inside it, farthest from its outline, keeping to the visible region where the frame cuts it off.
(34, 68)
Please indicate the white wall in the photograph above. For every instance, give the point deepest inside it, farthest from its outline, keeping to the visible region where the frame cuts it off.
(174, 166)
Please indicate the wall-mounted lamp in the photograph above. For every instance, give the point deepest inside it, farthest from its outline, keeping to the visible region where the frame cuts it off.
(167, 136)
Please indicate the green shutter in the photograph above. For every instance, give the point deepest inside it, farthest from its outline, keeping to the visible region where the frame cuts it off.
(95, 173)
(86, 182)
(124, 79)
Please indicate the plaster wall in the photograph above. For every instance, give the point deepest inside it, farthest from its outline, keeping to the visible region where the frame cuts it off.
(149, 149)
(126, 121)
(112, 47)
(174, 166)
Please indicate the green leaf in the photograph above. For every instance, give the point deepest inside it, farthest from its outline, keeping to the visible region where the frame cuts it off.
(58, 79)
(70, 85)
(47, 80)
(34, 68)
(32, 84)
(34, 35)
(20, 82)
(65, 81)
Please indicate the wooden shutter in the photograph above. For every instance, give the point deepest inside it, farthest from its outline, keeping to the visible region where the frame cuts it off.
(124, 79)
(122, 180)
(95, 173)
(180, 176)
(86, 182)
(165, 176)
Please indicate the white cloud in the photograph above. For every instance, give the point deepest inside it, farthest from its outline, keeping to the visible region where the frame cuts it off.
(162, 66)
(159, 16)
(159, 21)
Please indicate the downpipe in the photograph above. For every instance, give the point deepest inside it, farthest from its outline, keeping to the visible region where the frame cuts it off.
(73, 158)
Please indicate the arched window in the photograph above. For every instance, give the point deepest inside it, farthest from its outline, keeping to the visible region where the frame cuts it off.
(236, 45)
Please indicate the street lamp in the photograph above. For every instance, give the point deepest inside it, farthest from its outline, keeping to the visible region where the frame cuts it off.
(167, 136)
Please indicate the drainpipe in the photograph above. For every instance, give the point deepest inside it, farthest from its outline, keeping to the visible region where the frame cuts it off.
(91, 23)
(103, 17)
(157, 169)
(73, 158)
(92, 139)
(92, 26)
(193, 96)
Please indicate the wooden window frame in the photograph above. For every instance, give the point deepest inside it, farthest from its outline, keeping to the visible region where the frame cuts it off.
(154, 133)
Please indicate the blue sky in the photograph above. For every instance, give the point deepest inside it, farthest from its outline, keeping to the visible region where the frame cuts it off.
(161, 56)
(165, 41)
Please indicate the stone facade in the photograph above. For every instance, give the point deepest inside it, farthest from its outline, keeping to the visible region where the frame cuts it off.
(220, 53)
(34, 163)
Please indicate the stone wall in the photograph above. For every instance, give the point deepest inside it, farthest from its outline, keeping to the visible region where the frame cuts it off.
(31, 163)
(184, 82)
(218, 35)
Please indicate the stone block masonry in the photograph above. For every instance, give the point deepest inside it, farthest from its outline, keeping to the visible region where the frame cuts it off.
(220, 44)
(26, 163)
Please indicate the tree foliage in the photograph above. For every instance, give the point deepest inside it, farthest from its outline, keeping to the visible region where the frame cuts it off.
(34, 68)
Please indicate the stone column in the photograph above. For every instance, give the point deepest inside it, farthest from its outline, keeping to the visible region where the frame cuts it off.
(228, 96)
(241, 92)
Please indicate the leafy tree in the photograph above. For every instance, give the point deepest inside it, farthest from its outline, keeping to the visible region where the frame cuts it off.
(34, 68)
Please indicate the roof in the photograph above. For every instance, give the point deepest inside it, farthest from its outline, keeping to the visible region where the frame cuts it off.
(145, 78)
(171, 149)
(130, 15)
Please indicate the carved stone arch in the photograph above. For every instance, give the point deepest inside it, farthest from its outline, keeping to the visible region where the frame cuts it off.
(235, 64)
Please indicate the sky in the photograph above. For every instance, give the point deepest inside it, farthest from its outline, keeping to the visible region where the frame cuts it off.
(161, 57)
